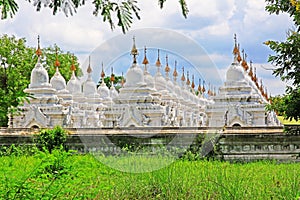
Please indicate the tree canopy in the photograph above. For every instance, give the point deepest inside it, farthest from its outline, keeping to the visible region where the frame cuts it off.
(120, 12)
(17, 61)
(287, 58)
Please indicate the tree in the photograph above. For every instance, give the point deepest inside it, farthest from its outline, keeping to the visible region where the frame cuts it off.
(117, 81)
(17, 62)
(287, 57)
(124, 10)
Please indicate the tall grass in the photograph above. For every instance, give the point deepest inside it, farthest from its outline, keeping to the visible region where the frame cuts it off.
(85, 177)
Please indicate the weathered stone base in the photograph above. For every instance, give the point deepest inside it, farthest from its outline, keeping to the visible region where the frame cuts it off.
(246, 144)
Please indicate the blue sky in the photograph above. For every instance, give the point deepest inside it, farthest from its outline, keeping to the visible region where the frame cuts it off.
(209, 27)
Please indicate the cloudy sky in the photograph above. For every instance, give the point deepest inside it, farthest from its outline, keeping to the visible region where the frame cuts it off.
(203, 42)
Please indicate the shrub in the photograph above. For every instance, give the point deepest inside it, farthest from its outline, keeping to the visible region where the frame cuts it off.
(50, 139)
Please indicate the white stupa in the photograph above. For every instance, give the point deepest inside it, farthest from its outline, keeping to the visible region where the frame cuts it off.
(144, 100)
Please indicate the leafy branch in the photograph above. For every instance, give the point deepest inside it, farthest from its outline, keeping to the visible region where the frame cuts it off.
(124, 10)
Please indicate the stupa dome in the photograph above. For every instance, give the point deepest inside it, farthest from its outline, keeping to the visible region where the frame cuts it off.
(74, 85)
(149, 80)
(113, 92)
(160, 82)
(39, 76)
(89, 88)
(235, 73)
(103, 91)
(134, 76)
(57, 81)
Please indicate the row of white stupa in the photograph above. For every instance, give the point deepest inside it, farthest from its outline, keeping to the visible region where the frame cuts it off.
(143, 100)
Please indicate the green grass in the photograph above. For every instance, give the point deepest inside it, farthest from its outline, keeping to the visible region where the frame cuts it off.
(288, 122)
(61, 176)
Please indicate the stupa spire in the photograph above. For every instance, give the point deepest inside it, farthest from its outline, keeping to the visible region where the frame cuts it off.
(134, 51)
(145, 61)
(236, 50)
(199, 86)
(102, 72)
(251, 72)
(38, 52)
(175, 74)
(261, 87)
(193, 82)
(56, 63)
(167, 68)
(73, 67)
(158, 64)
(188, 82)
(112, 76)
(239, 58)
(89, 69)
(254, 76)
(203, 87)
(209, 89)
(244, 62)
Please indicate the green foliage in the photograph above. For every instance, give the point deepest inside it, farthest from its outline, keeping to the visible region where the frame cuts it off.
(278, 104)
(18, 150)
(16, 63)
(286, 59)
(54, 163)
(117, 82)
(292, 130)
(111, 10)
(50, 139)
(284, 6)
(205, 147)
(65, 60)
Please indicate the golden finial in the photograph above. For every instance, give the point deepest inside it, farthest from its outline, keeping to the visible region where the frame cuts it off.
(251, 72)
(246, 66)
(145, 61)
(188, 82)
(134, 51)
(167, 68)
(89, 69)
(102, 72)
(158, 64)
(56, 63)
(175, 74)
(239, 59)
(266, 94)
(73, 67)
(193, 82)
(203, 87)
(235, 49)
(209, 90)
(112, 76)
(38, 51)
(254, 77)
(261, 87)
(244, 63)
(199, 86)
(182, 77)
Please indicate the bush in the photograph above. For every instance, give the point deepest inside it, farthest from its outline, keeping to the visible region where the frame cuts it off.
(50, 139)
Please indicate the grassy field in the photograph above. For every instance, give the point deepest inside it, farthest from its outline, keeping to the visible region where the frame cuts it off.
(288, 122)
(61, 176)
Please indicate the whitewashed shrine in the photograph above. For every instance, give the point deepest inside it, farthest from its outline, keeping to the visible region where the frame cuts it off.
(145, 100)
